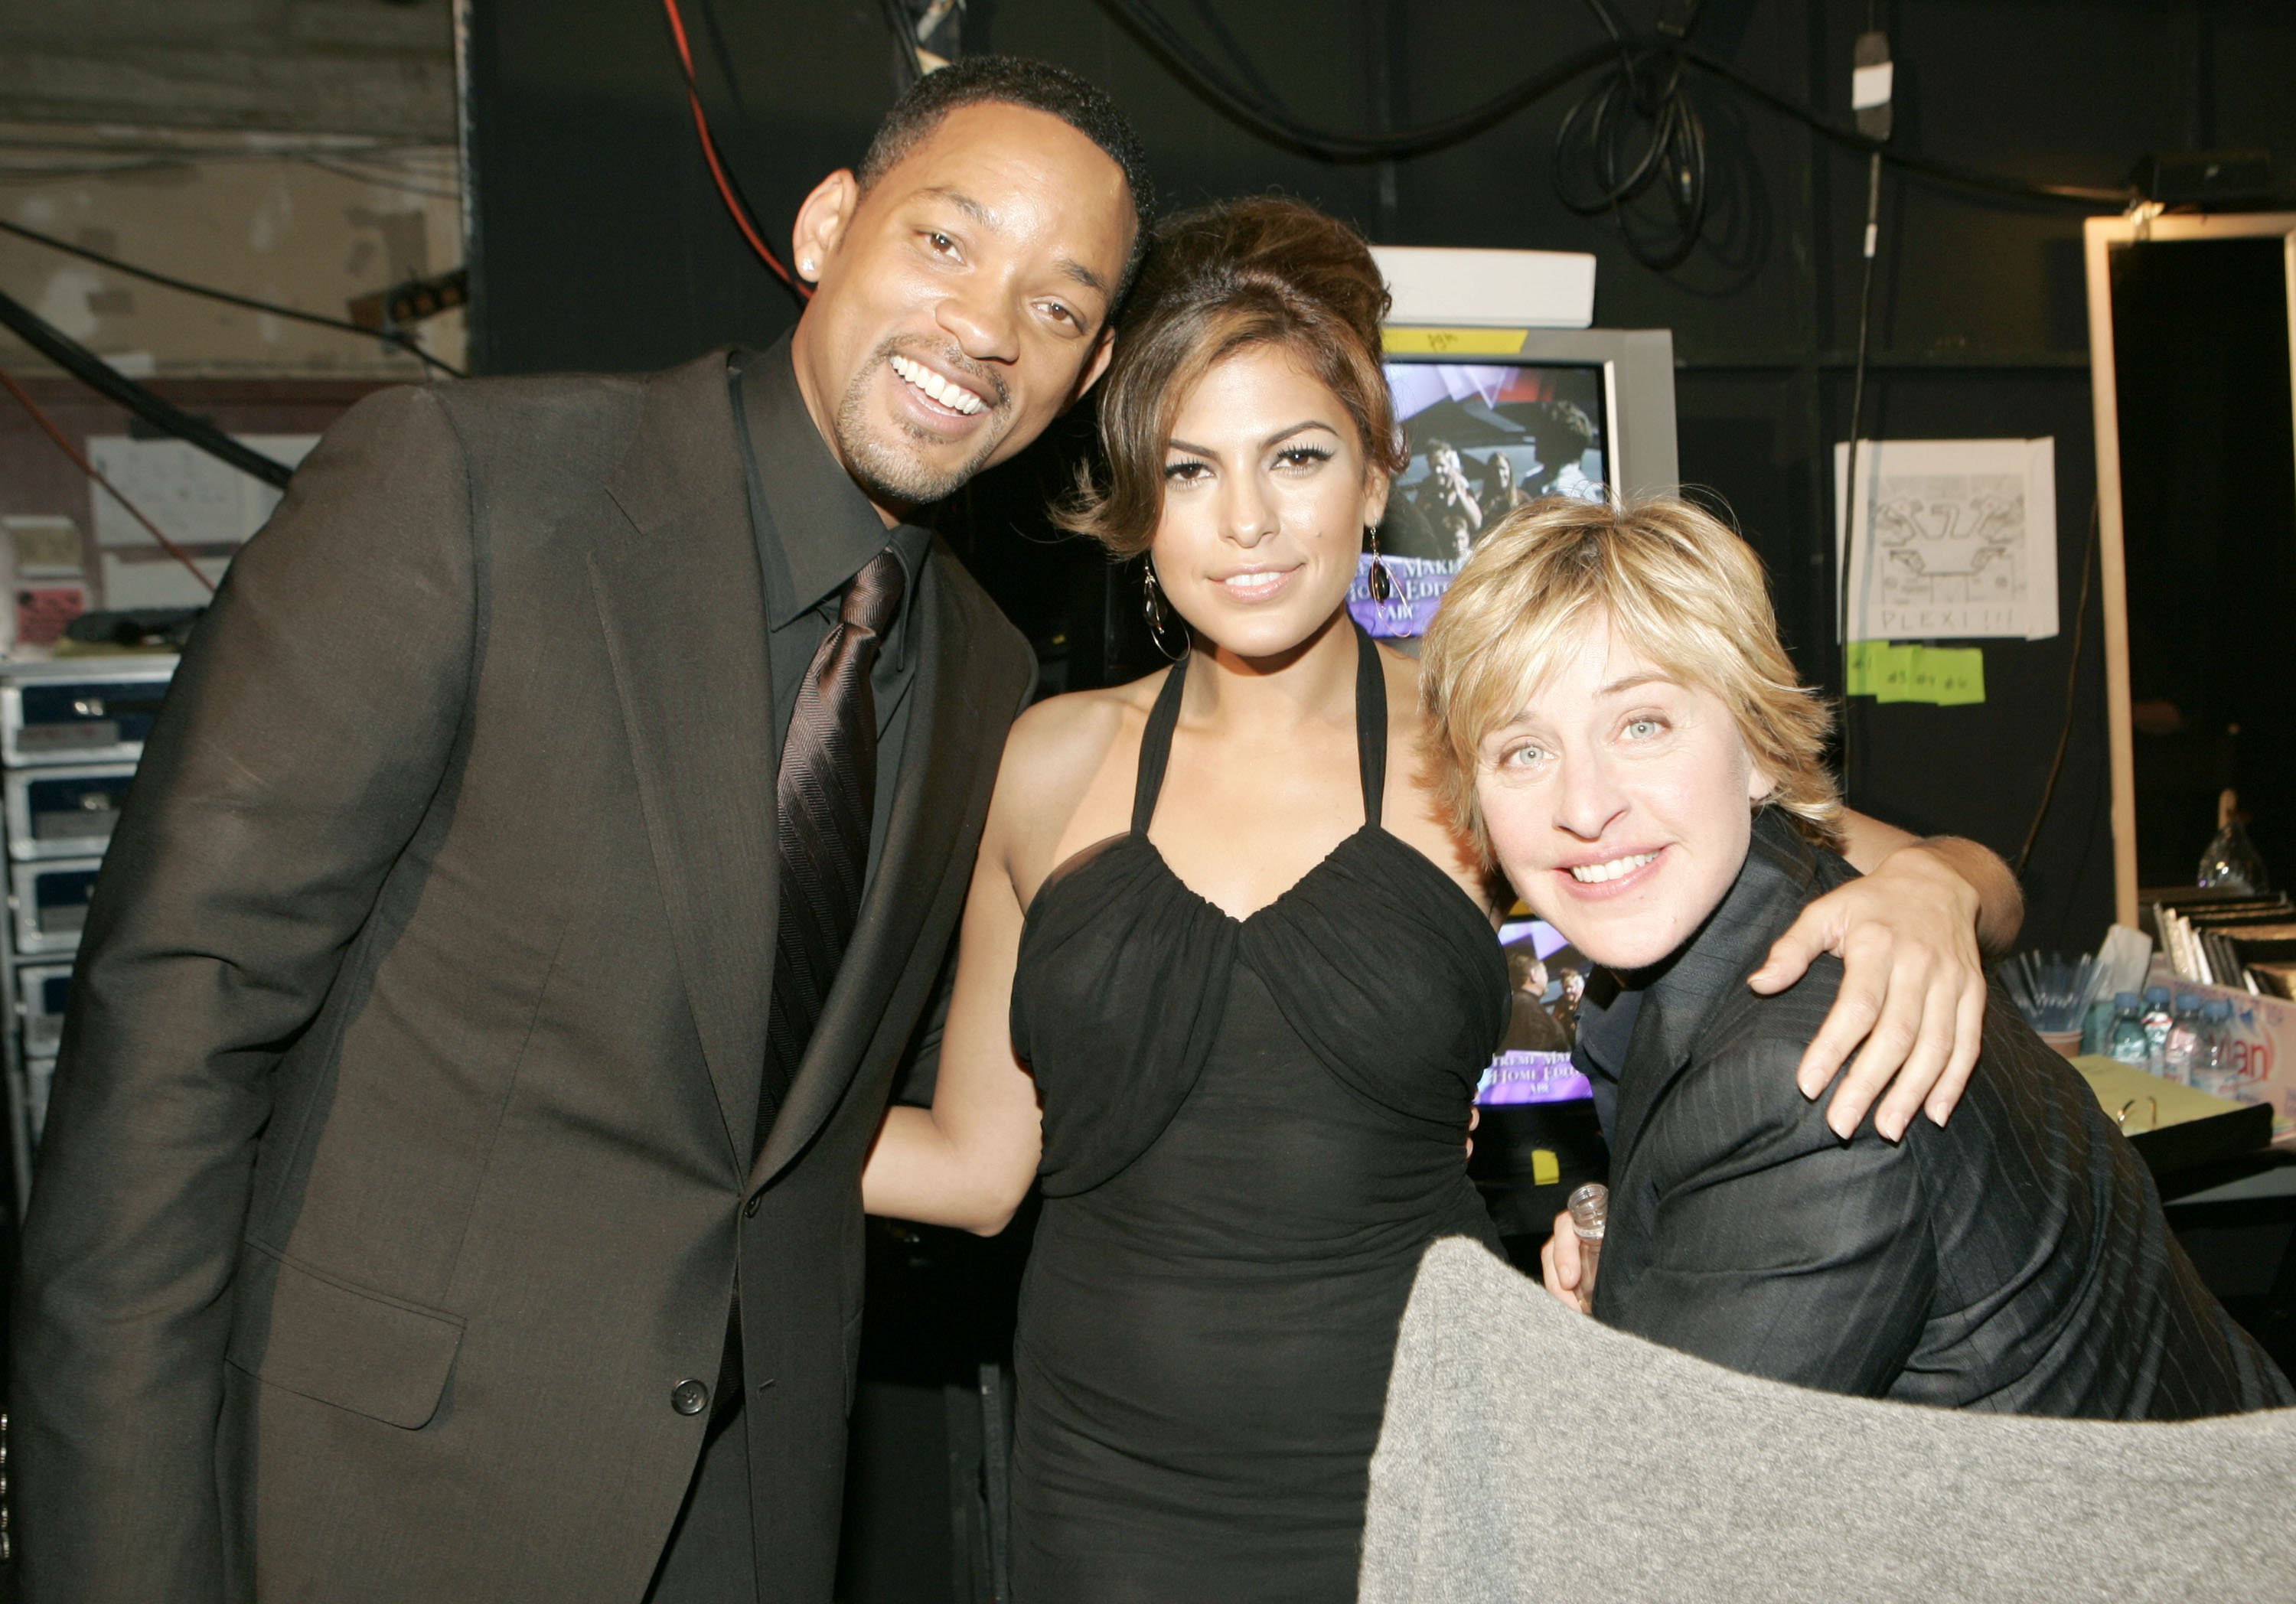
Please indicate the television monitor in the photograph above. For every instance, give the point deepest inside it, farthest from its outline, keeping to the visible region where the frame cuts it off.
(1496, 418)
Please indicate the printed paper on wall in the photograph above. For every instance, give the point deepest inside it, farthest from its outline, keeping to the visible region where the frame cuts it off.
(1952, 539)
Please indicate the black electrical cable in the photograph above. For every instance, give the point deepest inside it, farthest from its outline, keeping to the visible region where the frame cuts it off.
(2072, 682)
(165, 280)
(1279, 128)
(115, 386)
(96, 476)
(1945, 172)
(1645, 91)
(906, 68)
(729, 188)
(1857, 423)
(405, 186)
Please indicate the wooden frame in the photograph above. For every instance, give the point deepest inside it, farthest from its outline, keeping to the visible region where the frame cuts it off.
(2099, 235)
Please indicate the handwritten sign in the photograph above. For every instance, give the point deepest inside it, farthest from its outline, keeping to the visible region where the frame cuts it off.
(1942, 676)
(1453, 342)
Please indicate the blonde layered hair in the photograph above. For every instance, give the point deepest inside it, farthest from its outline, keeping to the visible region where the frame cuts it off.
(1677, 584)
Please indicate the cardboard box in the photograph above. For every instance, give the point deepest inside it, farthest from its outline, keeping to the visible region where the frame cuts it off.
(2263, 1043)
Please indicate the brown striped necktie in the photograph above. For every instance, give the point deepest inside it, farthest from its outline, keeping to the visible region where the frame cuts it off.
(826, 797)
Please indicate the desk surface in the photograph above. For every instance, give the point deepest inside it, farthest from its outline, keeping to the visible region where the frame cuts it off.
(2175, 1127)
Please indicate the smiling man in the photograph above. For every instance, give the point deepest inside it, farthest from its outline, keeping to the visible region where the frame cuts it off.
(452, 1186)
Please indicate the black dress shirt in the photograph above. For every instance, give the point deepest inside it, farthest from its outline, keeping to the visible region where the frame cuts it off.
(816, 530)
(1606, 1028)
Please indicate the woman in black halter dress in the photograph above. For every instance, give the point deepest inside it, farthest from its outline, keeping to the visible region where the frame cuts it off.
(1237, 1042)
(1251, 1130)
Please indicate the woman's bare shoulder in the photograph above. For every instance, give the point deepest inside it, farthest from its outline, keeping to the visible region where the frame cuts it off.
(1413, 811)
(1058, 746)
(1075, 727)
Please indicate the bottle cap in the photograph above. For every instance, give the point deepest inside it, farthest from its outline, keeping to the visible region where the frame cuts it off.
(2156, 993)
(2217, 1010)
(2129, 999)
(1590, 1209)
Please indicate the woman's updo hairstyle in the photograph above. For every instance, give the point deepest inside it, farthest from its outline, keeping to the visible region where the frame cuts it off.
(1216, 281)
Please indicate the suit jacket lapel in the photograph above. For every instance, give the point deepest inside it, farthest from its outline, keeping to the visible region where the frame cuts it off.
(682, 606)
(941, 753)
(1769, 891)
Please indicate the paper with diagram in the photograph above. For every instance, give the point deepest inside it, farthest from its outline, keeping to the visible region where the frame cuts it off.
(1951, 540)
(205, 506)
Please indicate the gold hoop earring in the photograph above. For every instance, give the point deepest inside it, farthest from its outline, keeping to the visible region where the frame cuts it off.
(1383, 583)
(1153, 609)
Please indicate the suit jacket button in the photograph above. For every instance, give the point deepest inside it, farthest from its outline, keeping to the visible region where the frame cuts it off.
(750, 1209)
(689, 1397)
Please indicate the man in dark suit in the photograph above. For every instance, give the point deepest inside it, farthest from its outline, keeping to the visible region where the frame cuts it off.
(452, 1188)
(1625, 732)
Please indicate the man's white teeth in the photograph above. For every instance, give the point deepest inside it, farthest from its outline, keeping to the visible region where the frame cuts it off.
(954, 397)
(1253, 583)
(1594, 874)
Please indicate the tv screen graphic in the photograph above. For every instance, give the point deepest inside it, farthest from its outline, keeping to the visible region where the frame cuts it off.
(1547, 976)
(1483, 437)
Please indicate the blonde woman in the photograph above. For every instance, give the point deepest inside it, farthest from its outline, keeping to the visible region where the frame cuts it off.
(1616, 723)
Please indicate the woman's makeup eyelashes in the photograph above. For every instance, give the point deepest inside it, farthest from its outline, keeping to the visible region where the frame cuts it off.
(1184, 470)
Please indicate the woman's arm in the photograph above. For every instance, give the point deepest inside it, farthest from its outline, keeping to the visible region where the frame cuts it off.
(1873, 848)
(967, 1161)
(1912, 936)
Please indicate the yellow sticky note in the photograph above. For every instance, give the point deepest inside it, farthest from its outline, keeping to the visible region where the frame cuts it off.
(1952, 678)
(1959, 676)
(1893, 674)
(1545, 1169)
(1921, 674)
(1453, 342)
(1860, 667)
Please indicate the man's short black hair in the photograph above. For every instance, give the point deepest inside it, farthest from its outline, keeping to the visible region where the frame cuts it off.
(1017, 81)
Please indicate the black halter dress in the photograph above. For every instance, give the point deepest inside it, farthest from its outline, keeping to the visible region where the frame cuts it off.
(1252, 1129)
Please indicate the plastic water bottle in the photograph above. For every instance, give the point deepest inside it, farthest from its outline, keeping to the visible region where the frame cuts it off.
(2158, 1018)
(2127, 1041)
(2183, 1048)
(2215, 1069)
(1590, 1218)
(2232, 861)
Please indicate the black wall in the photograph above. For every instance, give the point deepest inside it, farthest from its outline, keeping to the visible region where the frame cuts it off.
(600, 243)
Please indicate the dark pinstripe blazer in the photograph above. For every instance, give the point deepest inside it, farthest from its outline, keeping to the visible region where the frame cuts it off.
(2015, 1261)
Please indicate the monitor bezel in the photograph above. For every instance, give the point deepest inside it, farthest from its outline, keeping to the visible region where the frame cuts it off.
(1638, 367)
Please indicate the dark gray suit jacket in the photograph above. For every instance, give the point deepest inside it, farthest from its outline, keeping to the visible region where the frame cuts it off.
(402, 1159)
(2016, 1260)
